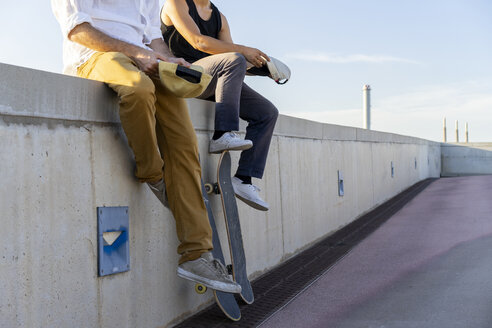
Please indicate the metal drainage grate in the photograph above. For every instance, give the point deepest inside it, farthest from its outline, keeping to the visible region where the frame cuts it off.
(274, 289)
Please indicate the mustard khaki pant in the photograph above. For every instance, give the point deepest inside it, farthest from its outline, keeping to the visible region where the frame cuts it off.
(164, 143)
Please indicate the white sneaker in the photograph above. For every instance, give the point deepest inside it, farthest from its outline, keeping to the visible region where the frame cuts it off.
(210, 272)
(159, 190)
(229, 141)
(248, 193)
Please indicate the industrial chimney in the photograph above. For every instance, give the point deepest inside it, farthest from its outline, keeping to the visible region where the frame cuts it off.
(366, 103)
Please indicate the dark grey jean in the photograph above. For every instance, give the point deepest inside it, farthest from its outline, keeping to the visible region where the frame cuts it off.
(234, 100)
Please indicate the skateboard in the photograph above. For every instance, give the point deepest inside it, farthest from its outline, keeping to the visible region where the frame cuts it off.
(225, 189)
(226, 301)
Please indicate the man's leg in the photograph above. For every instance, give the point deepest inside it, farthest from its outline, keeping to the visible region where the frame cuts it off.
(261, 115)
(228, 71)
(227, 86)
(182, 173)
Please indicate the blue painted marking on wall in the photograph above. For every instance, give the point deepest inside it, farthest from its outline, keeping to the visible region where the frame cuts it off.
(341, 190)
(113, 258)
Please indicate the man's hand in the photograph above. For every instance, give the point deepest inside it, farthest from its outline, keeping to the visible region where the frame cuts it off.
(162, 51)
(255, 56)
(179, 61)
(148, 61)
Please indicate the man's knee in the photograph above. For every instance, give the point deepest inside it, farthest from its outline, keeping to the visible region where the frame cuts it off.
(270, 112)
(141, 88)
(237, 60)
(273, 112)
(127, 77)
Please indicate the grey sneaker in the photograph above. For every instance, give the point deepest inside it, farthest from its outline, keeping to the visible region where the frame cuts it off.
(210, 272)
(159, 189)
(248, 193)
(229, 141)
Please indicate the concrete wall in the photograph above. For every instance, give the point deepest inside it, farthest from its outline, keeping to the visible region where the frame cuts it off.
(466, 159)
(63, 154)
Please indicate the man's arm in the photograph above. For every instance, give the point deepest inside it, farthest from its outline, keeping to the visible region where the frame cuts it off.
(177, 12)
(158, 45)
(90, 37)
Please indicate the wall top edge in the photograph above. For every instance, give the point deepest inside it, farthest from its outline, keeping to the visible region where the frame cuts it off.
(44, 95)
(466, 144)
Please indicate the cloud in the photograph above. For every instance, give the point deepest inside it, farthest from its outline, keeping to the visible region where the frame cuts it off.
(456, 99)
(347, 59)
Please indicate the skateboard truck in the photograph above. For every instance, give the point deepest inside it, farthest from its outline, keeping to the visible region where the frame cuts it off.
(212, 188)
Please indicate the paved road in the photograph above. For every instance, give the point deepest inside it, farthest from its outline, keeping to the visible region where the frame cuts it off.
(430, 265)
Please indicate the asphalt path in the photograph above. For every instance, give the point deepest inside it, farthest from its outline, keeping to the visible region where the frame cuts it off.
(430, 265)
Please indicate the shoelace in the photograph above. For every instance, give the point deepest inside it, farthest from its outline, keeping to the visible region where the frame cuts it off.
(233, 134)
(255, 188)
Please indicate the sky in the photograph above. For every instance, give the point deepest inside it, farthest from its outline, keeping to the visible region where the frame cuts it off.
(424, 59)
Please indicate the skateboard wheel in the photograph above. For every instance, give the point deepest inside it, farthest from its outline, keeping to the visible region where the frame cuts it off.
(209, 188)
(200, 289)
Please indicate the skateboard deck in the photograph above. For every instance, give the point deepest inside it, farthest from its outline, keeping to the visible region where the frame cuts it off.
(226, 301)
(233, 227)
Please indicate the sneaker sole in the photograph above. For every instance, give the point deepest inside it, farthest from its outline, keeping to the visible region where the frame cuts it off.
(218, 151)
(212, 284)
(252, 204)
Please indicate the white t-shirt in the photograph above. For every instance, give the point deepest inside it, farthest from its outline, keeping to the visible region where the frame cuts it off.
(133, 21)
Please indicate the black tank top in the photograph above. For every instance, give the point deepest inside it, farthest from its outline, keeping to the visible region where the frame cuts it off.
(177, 43)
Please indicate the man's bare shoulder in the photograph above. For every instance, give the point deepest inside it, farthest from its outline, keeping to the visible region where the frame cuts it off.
(173, 8)
(175, 4)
